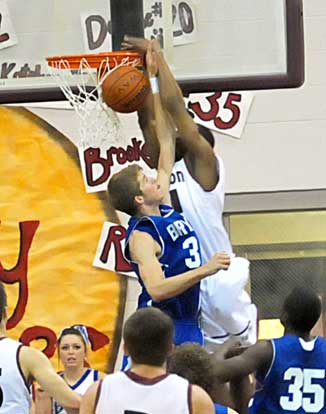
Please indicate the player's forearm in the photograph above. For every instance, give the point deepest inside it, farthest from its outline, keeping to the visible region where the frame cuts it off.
(171, 93)
(164, 136)
(175, 285)
(147, 125)
(241, 391)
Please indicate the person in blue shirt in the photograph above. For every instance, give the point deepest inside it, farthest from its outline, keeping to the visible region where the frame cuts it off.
(161, 244)
(291, 370)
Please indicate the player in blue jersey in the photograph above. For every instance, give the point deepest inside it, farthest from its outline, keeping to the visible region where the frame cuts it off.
(291, 370)
(161, 245)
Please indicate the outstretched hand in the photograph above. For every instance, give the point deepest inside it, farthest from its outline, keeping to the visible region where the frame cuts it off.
(220, 261)
(138, 44)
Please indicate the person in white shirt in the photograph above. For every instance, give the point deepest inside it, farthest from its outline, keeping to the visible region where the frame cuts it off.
(146, 387)
(72, 351)
(19, 366)
(197, 190)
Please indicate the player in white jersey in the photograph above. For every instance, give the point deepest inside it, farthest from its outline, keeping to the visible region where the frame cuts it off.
(146, 387)
(197, 189)
(72, 351)
(19, 366)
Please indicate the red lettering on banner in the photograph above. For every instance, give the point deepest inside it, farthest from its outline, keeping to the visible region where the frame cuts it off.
(97, 339)
(120, 155)
(18, 274)
(114, 238)
(213, 113)
(40, 332)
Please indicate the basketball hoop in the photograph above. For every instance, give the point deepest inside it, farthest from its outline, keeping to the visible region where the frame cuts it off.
(80, 78)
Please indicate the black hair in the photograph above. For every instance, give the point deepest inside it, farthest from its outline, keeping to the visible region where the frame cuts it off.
(148, 336)
(302, 308)
(193, 362)
(71, 331)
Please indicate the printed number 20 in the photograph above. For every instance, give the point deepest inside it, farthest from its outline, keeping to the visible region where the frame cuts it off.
(191, 244)
(302, 384)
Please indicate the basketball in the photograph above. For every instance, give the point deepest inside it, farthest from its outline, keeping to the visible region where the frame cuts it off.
(125, 89)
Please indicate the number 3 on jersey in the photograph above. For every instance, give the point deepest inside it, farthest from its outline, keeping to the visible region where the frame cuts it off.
(191, 244)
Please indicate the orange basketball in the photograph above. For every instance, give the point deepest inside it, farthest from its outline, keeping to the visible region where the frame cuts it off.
(125, 89)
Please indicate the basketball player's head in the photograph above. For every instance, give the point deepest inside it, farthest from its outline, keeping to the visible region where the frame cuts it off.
(301, 310)
(130, 188)
(3, 305)
(72, 345)
(148, 337)
(193, 362)
(181, 149)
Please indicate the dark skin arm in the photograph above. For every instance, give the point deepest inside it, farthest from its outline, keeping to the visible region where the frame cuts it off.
(199, 155)
(258, 356)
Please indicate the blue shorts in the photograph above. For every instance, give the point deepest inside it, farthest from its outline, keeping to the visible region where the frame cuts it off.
(187, 331)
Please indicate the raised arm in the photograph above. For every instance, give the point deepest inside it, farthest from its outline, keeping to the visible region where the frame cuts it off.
(162, 128)
(144, 250)
(199, 155)
(36, 365)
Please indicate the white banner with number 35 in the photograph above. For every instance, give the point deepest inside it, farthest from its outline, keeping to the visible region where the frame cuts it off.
(225, 112)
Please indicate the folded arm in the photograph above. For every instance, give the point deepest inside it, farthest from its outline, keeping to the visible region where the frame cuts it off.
(144, 251)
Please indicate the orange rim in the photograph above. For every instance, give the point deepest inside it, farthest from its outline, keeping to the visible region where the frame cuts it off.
(95, 60)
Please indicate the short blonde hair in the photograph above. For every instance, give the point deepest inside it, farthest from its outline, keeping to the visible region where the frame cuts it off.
(123, 187)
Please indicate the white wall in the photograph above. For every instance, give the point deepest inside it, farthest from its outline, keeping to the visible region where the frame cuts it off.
(283, 146)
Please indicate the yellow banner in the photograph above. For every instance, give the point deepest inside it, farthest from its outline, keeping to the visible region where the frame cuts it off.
(49, 229)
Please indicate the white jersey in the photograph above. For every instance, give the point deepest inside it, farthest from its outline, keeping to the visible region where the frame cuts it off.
(203, 209)
(127, 392)
(15, 397)
(81, 386)
(226, 307)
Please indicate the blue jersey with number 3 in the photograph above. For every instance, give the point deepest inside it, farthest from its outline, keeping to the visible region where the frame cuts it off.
(180, 252)
(296, 379)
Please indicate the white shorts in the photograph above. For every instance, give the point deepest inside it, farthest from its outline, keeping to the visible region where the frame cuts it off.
(226, 308)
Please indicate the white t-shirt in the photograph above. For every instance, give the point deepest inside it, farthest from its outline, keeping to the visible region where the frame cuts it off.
(15, 396)
(81, 386)
(203, 209)
(226, 307)
(127, 392)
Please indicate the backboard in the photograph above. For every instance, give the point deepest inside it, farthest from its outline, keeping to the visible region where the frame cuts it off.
(211, 45)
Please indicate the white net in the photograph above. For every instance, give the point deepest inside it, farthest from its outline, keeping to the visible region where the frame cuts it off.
(99, 125)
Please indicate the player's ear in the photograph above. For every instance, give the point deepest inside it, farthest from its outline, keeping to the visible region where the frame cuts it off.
(125, 349)
(171, 350)
(139, 200)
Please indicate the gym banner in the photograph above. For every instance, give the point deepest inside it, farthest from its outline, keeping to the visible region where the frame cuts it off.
(49, 229)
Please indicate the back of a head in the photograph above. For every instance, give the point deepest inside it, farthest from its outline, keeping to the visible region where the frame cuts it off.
(148, 335)
(193, 362)
(302, 308)
(3, 301)
(123, 187)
